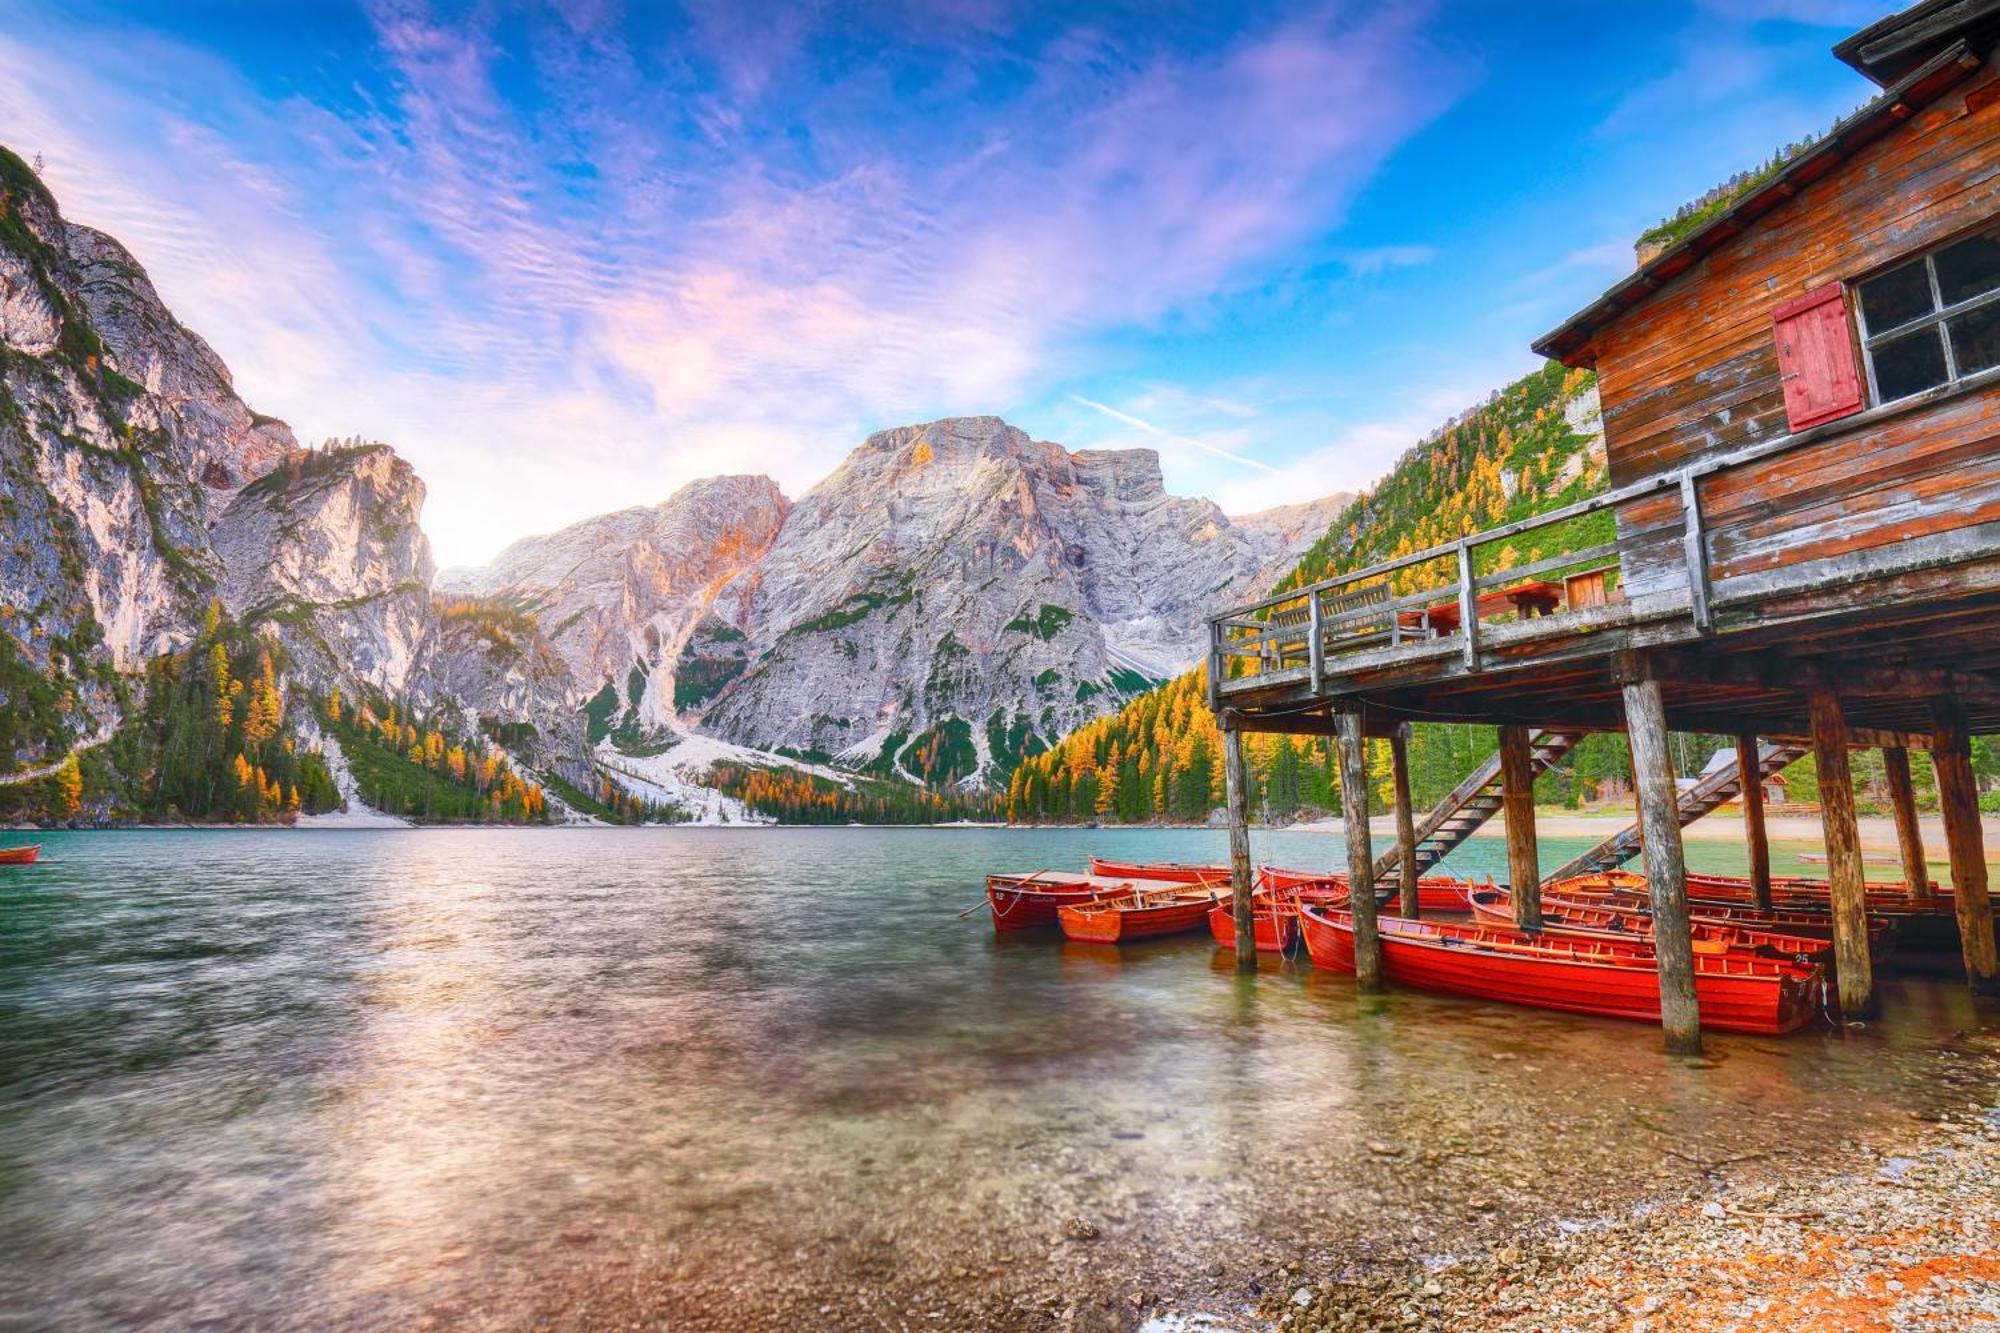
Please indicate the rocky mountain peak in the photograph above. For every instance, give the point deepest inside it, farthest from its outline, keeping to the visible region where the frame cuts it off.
(621, 594)
(950, 596)
(328, 549)
(331, 524)
(1127, 476)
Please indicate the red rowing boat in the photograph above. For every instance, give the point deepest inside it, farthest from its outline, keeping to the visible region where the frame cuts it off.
(1801, 923)
(1494, 906)
(1141, 915)
(1022, 902)
(1167, 872)
(1435, 893)
(1888, 900)
(1272, 877)
(1274, 922)
(1611, 979)
(20, 856)
(1793, 895)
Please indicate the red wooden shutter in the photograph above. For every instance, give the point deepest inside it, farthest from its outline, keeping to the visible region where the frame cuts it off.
(1816, 357)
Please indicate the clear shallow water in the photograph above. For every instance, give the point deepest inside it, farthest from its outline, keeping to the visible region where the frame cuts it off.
(711, 1078)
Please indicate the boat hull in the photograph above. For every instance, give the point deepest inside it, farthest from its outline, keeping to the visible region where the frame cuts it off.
(1569, 917)
(1787, 893)
(1579, 977)
(1118, 922)
(20, 856)
(1031, 902)
(1164, 872)
(1276, 930)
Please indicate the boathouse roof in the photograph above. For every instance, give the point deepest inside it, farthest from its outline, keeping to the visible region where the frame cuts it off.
(1891, 47)
(1917, 55)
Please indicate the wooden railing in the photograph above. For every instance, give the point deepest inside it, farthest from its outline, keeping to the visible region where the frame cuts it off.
(1450, 592)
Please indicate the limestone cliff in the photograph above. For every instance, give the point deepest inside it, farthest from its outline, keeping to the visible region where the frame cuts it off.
(952, 595)
(137, 488)
(621, 596)
(955, 593)
(121, 437)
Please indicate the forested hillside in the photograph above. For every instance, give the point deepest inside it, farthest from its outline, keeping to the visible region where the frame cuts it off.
(420, 767)
(216, 740)
(1532, 447)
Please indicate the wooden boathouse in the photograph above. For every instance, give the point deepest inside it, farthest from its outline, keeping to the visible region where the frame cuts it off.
(1801, 404)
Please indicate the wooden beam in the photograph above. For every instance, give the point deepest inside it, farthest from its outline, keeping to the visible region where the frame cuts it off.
(1788, 674)
(1406, 824)
(1666, 867)
(1754, 837)
(1903, 803)
(1360, 858)
(1860, 738)
(1286, 722)
(1236, 783)
(1958, 800)
(1846, 878)
(1517, 803)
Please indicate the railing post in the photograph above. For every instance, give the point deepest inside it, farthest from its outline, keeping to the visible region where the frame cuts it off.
(1468, 605)
(1315, 648)
(1215, 665)
(1694, 545)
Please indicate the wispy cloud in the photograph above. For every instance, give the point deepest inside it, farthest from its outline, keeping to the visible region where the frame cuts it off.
(1382, 258)
(566, 259)
(1172, 437)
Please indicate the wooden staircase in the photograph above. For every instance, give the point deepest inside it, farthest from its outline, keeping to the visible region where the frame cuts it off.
(1718, 788)
(1470, 804)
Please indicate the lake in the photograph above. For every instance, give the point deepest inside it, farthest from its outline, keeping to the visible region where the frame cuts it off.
(707, 1078)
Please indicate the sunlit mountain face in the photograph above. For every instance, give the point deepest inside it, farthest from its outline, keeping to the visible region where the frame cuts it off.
(568, 259)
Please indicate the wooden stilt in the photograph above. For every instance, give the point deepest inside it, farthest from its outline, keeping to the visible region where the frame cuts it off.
(1666, 869)
(1236, 784)
(1406, 824)
(1517, 801)
(1360, 857)
(1958, 799)
(1903, 801)
(1845, 875)
(1754, 837)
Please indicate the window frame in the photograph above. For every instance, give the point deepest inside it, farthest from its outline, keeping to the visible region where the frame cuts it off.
(1934, 320)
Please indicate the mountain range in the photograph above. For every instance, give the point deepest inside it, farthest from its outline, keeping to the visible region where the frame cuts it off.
(953, 597)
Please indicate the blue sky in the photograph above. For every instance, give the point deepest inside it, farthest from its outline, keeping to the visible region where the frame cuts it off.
(567, 258)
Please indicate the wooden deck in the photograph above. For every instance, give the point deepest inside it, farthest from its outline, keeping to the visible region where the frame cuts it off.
(1894, 603)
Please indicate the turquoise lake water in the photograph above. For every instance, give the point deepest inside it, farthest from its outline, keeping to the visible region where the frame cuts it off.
(751, 1078)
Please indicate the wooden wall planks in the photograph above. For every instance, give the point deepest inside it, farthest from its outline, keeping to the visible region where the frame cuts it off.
(1693, 372)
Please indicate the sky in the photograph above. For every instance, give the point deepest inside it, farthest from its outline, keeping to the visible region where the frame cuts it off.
(567, 258)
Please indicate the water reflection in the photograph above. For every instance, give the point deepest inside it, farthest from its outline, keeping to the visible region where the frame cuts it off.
(730, 1079)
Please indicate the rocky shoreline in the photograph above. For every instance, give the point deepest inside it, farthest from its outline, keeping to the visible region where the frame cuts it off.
(1900, 1231)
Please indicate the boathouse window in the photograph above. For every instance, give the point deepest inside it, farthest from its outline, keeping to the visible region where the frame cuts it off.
(1934, 320)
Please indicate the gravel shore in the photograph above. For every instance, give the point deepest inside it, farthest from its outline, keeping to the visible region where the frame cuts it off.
(1901, 1232)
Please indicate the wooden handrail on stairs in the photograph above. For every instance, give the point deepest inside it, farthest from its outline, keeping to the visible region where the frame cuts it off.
(1716, 789)
(1471, 804)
